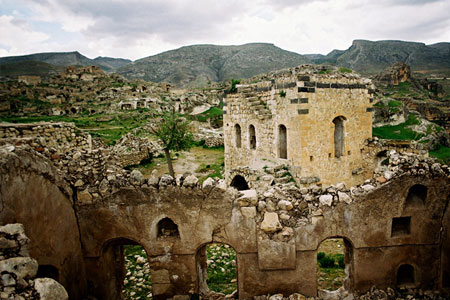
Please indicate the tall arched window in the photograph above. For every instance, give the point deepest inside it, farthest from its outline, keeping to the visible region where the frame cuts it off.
(339, 136)
(252, 136)
(282, 141)
(237, 135)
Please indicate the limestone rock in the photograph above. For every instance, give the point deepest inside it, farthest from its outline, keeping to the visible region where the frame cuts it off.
(21, 267)
(285, 205)
(153, 180)
(297, 297)
(276, 297)
(368, 187)
(208, 184)
(344, 197)
(166, 180)
(190, 181)
(248, 198)
(49, 289)
(84, 197)
(326, 200)
(270, 223)
(136, 178)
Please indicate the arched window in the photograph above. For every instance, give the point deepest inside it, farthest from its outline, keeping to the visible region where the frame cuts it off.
(405, 275)
(167, 228)
(239, 183)
(252, 136)
(417, 195)
(282, 141)
(339, 136)
(237, 135)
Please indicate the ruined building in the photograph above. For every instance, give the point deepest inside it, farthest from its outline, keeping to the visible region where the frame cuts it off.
(79, 208)
(316, 124)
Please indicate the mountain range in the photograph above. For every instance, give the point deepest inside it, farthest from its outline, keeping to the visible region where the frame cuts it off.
(198, 64)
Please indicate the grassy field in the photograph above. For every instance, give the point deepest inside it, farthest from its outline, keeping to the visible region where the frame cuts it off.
(399, 132)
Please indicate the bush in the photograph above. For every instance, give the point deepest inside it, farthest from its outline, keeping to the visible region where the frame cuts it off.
(340, 261)
(327, 262)
(320, 255)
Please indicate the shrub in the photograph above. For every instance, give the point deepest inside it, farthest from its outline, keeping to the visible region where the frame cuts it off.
(282, 94)
(327, 262)
(340, 261)
(320, 255)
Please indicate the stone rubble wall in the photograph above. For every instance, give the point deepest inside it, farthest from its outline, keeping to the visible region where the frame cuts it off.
(18, 270)
(59, 137)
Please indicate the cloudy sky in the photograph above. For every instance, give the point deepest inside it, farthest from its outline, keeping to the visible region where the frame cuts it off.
(134, 29)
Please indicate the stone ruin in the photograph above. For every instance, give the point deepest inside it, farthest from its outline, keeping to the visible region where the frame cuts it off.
(395, 74)
(389, 204)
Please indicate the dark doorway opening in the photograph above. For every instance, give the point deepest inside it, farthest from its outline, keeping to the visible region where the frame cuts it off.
(239, 183)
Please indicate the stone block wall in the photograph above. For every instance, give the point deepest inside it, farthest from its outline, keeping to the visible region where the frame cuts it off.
(306, 106)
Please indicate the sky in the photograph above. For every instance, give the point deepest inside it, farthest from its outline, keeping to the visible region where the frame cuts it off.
(135, 29)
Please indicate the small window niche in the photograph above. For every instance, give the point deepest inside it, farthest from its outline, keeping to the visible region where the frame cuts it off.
(405, 275)
(167, 229)
(401, 226)
(252, 137)
(417, 195)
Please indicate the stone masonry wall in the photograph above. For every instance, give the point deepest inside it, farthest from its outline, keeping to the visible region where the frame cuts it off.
(306, 104)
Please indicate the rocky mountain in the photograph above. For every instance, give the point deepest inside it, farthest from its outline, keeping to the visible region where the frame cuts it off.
(373, 56)
(43, 64)
(198, 64)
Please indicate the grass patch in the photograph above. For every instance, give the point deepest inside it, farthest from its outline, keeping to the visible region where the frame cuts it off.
(399, 132)
(345, 70)
(211, 113)
(442, 153)
(221, 268)
(394, 103)
(331, 273)
(214, 170)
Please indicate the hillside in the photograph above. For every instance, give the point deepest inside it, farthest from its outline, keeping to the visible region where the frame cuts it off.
(371, 57)
(44, 64)
(198, 64)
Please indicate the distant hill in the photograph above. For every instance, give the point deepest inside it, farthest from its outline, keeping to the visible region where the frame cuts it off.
(44, 64)
(372, 57)
(198, 64)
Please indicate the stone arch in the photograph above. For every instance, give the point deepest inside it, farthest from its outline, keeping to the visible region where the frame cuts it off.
(282, 141)
(417, 195)
(405, 275)
(252, 136)
(237, 136)
(108, 273)
(239, 183)
(348, 280)
(339, 136)
(381, 158)
(166, 228)
(203, 262)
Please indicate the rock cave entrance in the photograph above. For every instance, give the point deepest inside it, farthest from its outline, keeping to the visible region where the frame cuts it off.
(217, 271)
(130, 269)
(239, 183)
(334, 264)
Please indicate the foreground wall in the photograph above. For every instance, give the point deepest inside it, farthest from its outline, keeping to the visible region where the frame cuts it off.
(32, 193)
(384, 225)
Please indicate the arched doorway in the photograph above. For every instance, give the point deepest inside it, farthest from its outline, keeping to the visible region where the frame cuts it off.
(405, 276)
(417, 195)
(217, 271)
(335, 264)
(239, 183)
(127, 270)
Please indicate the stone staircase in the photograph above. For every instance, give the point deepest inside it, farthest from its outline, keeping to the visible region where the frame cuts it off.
(259, 107)
(280, 174)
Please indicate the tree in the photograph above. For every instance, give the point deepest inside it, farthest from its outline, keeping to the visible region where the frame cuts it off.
(173, 131)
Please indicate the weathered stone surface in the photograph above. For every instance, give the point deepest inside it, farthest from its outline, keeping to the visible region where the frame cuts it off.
(344, 197)
(270, 223)
(50, 289)
(249, 197)
(190, 181)
(161, 276)
(21, 267)
(136, 177)
(166, 180)
(84, 197)
(285, 205)
(326, 200)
